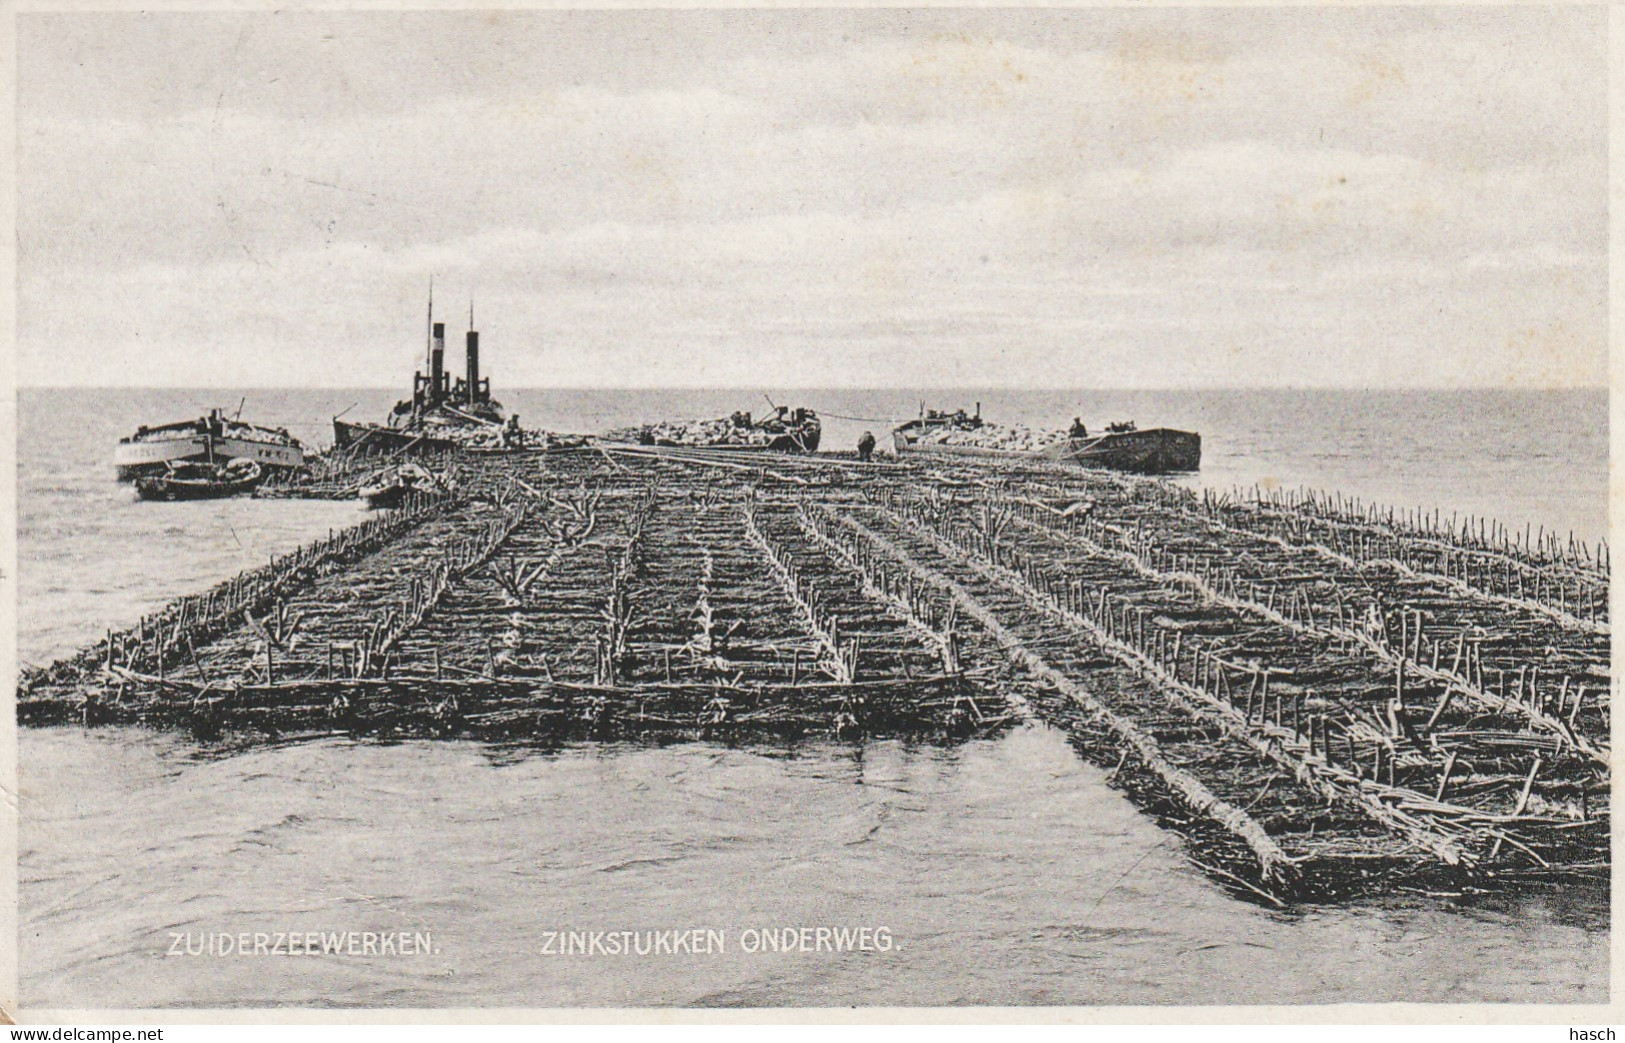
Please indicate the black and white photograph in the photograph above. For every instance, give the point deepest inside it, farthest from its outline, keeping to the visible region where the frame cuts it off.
(778, 509)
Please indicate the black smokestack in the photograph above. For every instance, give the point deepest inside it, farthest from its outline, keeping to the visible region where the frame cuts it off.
(437, 362)
(473, 367)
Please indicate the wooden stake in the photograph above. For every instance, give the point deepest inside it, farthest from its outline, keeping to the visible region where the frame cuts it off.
(1574, 711)
(1444, 700)
(1523, 800)
(1444, 775)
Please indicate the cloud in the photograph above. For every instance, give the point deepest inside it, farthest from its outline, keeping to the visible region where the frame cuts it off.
(1372, 195)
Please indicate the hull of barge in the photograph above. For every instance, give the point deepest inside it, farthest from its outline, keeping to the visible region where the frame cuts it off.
(381, 439)
(1155, 451)
(139, 458)
(791, 442)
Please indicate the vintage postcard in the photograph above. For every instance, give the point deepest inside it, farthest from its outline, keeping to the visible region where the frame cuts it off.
(1057, 508)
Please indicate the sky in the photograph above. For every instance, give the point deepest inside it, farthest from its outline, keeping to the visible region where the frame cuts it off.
(1342, 197)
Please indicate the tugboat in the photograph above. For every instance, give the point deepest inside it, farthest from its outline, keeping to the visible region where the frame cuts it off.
(441, 415)
(785, 430)
(211, 439)
(1121, 447)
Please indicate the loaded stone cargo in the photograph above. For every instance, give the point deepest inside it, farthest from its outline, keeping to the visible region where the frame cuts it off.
(1014, 438)
(1121, 447)
(486, 435)
(786, 430)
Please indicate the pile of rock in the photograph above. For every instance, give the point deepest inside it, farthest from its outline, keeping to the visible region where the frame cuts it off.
(252, 432)
(1017, 438)
(722, 431)
(495, 436)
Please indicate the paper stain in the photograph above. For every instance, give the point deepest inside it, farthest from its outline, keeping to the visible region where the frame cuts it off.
(1168, 73)
(884, 271)
(959, 68)
(1548, 356)
(1376, 76)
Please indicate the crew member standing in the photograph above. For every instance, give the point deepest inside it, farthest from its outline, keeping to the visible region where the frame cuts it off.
(866, 446)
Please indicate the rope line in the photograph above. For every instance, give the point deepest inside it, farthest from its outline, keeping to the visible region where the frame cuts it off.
(860, 419)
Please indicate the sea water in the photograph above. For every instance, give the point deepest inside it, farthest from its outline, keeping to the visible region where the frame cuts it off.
(1006, 871)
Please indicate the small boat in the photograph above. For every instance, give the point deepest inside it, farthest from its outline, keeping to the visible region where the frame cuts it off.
(393, 488)
(785, 430)
(213, 439)
(195, 481)
(1121, 447)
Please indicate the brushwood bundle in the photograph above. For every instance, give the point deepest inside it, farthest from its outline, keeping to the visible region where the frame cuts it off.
(1323, 698)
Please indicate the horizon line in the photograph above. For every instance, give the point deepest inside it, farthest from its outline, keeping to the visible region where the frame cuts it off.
(1400, 388)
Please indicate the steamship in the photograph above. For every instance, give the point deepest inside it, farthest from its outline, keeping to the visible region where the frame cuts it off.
(442, 413)
(213, 440)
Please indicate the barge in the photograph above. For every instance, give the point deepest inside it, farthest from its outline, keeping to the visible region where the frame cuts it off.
(211, 440)
(1122, 447)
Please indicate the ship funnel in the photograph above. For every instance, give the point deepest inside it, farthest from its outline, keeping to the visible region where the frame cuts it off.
(473, 367)
(437, 364)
